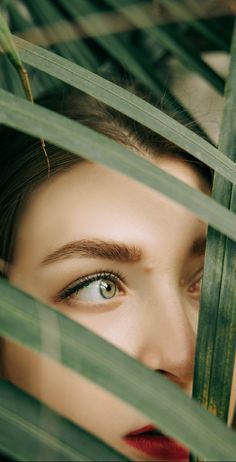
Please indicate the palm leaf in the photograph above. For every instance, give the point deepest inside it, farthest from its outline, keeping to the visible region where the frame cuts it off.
(31, 431)
(63, 35)
(217, 324)
(27, 321)
(83, 141)
(128, 104)
(170, 39)
(205, 435)
(133, 60)
(187, 10)
(19, 23)
(11, 50)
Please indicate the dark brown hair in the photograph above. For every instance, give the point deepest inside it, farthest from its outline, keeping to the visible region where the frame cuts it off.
(23, 166)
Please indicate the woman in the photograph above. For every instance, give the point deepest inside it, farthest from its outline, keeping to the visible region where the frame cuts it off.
(113, 255)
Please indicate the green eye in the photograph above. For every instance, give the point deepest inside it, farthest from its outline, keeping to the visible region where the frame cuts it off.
(94, 289)
(108, 288)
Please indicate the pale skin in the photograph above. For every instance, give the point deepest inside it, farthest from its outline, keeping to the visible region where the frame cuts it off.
(150, 310)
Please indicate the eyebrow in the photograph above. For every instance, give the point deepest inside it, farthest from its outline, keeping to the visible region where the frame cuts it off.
(95, 248)
(110, 250)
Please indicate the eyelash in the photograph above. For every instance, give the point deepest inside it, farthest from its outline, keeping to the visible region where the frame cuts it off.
(115, 276)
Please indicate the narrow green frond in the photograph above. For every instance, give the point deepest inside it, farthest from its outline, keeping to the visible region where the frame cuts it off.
(187, 11)
(61, 34)
(217, 325)
(27, 321)
(171, 40)
(128, 104)
(83, 141)
(131, 58)
(32, 431)
(7, 44)
(9, 47)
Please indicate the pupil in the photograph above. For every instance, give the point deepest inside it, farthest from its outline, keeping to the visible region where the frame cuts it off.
(107, 289)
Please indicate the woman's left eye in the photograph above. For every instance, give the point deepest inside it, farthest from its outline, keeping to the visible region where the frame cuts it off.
(96, 288)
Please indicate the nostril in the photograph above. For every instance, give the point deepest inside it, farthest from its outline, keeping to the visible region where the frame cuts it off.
(180, 381)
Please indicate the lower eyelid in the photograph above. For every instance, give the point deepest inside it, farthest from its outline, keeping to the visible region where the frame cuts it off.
(92, 307)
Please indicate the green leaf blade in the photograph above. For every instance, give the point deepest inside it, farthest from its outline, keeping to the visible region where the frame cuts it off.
(31, 431)
(215, 353)
(128, 104)
(7, 43)
(85, 142)
(26, 320)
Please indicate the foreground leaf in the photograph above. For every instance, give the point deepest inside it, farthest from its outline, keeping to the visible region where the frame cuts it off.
(27, 321)
(128, 104)
(217, 324)
(81, 140)
(31, 431)
(7, 43)
(9, 47)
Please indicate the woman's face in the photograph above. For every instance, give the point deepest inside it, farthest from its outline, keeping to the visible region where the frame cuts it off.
(127, 263)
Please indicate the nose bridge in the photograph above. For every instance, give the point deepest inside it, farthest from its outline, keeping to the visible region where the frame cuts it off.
(169, 342)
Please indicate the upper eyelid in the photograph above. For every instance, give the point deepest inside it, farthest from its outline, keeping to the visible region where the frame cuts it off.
(190, 279)
(200, 271)
(99, 274)
(196, 278)
(94, 277)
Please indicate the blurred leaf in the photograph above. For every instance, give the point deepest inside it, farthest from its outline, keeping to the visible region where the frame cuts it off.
(27, 321)
(128, 104)
(9, 77)
(85, 142)
(171, 40)
(61, 34)
(188, 10)
(41, 82)
(131, 58)
(217, 325)
(9, 47)
(31, 431)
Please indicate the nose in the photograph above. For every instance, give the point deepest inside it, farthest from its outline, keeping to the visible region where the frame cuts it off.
(168, 342)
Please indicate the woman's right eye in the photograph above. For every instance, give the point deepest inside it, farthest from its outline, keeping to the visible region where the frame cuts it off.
(97, 288)
(195, 287)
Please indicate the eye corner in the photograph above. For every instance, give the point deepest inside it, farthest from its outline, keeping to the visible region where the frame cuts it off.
(193, 284)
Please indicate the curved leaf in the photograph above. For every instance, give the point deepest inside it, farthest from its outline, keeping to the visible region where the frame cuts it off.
(128, 104)
(27, 321)
(32, 431)
(85, 142)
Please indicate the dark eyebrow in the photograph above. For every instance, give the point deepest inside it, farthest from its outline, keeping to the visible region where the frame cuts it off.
(95, 248)
(199, 246)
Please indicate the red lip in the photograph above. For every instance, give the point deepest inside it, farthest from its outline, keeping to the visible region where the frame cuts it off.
(153, 443)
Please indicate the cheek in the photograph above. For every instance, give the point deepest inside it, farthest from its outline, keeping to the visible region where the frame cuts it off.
(70, 395)
(62, 390)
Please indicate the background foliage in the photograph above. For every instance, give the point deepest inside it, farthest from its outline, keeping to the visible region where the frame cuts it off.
(126, 41)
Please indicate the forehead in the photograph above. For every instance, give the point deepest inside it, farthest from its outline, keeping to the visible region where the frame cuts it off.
(92, 199)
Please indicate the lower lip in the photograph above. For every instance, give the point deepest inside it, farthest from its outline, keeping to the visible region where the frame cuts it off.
(159, 447)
